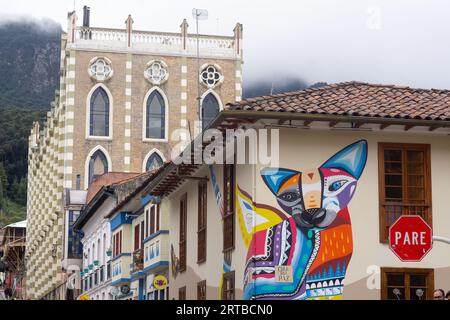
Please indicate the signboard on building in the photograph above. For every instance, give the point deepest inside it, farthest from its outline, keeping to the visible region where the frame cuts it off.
(160, 282)
(410, 238)
(283, 274)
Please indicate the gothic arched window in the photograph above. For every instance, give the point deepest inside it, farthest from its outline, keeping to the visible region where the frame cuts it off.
(153, 162)
(155, 126)
(210, 109)
(98, 165)
(99, 113)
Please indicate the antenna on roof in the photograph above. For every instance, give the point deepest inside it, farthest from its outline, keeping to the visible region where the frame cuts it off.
(199, 14)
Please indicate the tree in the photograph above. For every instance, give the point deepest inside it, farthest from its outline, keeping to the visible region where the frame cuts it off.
(3, 184)
(3, 177)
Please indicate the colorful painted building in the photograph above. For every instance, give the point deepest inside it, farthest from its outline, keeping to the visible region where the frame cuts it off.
(312, 224)
(99, 256)
(140, 246)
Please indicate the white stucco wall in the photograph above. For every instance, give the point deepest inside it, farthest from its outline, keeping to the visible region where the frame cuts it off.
(94, 231)
(307, 149)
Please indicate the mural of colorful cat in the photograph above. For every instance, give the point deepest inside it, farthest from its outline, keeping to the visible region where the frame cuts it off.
(311, 235)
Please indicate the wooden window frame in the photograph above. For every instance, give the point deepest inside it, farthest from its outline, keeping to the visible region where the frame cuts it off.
(137, 237)
(114, 245)
(229, 277)
(382, 146)
(182, 293)
(183, 233)
(142, 227)
(202, 222)
(120, 242)
(201, 290)
(158, 218)
(407, 272)
(229, 215)
(152, 220)
(146, 222)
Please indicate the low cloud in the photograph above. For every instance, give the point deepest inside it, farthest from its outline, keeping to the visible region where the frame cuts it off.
(43, 24)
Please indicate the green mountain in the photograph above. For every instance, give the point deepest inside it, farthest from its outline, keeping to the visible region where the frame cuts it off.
(29, 63)
(29, 75)
(15, 126)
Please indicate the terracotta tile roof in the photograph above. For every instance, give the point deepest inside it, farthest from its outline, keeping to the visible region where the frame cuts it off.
(137, 184)
(107, 179)
(356, 99)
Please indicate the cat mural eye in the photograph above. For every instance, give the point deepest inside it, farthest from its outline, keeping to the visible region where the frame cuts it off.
(289, 196)
(335, 186)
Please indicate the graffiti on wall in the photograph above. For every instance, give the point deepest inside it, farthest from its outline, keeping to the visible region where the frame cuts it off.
(175, 266)
(226, 264)
(303, 250)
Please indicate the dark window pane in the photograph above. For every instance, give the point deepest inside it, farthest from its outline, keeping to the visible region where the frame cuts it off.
(210, 109)
(393, 167)
(99, 117)
(393, 180)
(395, 279)
(418, 280)
(156, 113)
(98, 165)
(153, 162)
(392, 155)
(393, 192)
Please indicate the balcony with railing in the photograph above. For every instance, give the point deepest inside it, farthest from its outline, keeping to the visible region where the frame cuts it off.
(121, 268)
(156, 251)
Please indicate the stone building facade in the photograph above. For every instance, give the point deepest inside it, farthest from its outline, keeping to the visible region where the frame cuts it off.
(123, 93)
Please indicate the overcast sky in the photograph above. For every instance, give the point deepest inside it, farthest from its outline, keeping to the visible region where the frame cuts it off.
(405, 42)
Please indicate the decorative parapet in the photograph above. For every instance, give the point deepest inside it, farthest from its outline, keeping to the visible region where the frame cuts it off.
(157, 42)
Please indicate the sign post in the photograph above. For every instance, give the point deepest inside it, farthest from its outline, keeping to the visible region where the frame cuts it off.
(410, 238)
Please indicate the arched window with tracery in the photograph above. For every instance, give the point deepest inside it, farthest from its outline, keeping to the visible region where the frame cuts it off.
(155, 119)
(210, 109)
(98, 165)
(153, 162)
(99, 113)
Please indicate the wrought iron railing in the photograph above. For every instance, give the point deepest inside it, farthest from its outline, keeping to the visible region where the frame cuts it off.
(393, 210)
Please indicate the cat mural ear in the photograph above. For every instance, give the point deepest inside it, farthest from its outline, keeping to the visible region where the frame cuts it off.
(274, 177)
(351, 159)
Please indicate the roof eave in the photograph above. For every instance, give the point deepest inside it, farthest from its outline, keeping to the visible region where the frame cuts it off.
(247, 114)
(88, 210)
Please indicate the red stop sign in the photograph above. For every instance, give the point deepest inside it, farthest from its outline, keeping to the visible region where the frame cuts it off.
(410, 238)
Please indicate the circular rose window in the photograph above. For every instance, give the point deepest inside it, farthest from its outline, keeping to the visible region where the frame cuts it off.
(211, 76)
(156, 72)
(100, 69)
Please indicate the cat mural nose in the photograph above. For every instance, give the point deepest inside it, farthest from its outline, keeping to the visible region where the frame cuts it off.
(314, 216)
